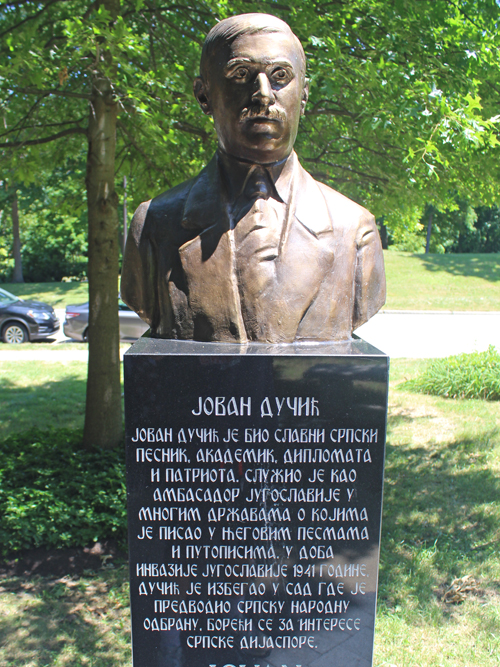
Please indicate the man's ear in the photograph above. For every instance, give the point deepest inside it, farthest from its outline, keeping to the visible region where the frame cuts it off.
(200, 90)
(305, 97)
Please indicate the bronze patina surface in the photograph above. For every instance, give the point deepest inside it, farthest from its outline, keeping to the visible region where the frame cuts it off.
(253, 248)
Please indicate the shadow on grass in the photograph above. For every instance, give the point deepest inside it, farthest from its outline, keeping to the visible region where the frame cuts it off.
(60, 627)
(485, 266)
(31, 290)
(439, 519)
(58, 403)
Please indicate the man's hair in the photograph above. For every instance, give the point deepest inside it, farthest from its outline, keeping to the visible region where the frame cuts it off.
(228, 30)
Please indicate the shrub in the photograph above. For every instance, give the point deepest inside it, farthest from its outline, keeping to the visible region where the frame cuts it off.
(475, 375)
(53, 493)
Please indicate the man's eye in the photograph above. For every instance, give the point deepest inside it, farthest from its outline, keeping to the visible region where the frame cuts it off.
(240, 73)
(280, 75)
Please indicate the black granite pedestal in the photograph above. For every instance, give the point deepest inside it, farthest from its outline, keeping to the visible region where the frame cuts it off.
(254, 497)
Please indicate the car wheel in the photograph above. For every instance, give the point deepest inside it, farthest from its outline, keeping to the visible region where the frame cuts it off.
(85, 336)
(15, 333)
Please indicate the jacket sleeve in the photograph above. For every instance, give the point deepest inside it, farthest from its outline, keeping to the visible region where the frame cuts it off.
(369, 288)
(137, 281)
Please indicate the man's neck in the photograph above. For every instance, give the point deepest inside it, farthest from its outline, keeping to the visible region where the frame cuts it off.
(235, 172)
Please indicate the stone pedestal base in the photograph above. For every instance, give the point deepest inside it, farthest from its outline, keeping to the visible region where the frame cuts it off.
(254, 497)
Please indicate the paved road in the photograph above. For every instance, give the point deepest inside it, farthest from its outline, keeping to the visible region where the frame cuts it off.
(418, 334)
(413, 334)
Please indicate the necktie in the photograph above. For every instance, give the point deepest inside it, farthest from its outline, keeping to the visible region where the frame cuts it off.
(258, 219)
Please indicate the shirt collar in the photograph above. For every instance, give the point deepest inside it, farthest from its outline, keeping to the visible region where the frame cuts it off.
(235, 173)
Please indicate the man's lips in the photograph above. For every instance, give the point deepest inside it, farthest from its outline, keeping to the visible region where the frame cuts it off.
(262, 119)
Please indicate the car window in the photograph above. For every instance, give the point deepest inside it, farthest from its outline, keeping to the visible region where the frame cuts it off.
(6, 298)
(122, 306)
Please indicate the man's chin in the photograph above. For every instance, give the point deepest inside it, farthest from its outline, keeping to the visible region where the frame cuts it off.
(259, 145)
(265, 132)
(262, 153)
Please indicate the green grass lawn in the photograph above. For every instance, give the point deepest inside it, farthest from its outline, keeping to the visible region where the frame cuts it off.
(71, 622)
(441, 522)
(44, 344)
(58, 295)
(41, 395)
(414, 282)
(439, 594)
(442, 282)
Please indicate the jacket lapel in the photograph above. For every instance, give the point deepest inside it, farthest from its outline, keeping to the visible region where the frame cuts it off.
(310, 205)
(305, 258)
(208, 262)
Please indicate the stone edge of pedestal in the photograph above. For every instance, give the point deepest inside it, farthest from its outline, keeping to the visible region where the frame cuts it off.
(161, 346)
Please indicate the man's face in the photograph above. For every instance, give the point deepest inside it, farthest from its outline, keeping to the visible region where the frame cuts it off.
(256, 92)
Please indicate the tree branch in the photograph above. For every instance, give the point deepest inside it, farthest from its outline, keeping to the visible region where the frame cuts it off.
(25, 118)
(139, 149)
(369, 177)
(44, 140)
(29, 18)
(191, 129)
(39, 127)
(162, 19)
(461, 11)
(61, 93)
(124, 150)
(340, 111)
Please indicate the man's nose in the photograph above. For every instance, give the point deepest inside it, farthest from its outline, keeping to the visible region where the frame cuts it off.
(263, 90)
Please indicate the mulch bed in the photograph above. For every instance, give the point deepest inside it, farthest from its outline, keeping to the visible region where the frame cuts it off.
(61, 562)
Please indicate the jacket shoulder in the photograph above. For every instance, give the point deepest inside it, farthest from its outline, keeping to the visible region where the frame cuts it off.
(161, 217)
(343, 208)
(171, 202)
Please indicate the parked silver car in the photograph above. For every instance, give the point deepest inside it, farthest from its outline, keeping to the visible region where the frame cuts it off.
(24, 320)
(76, 322)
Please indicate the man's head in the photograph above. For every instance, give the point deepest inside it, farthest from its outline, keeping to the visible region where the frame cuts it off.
(253, 83)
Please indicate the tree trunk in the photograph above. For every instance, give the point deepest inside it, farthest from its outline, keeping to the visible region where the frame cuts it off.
(429, 231)
(125, 214)
(384, 236)
(103, 413)
(17, 276)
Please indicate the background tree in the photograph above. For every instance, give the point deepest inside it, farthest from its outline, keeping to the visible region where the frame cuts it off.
(17, 274)
(9, 201)
(403, 96)
(460, 228)
(98, 60)
(53, 238)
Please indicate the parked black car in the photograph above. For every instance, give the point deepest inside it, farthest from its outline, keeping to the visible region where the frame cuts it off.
(24, 320)
(77, 322)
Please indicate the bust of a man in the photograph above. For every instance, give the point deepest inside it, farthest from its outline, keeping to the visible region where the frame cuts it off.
(253, 248)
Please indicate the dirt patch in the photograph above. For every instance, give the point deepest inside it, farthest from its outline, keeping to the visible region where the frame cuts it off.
(62, 562)
(424, 421)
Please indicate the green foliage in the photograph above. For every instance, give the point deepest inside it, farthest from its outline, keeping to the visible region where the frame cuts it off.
(459, 228)
(405, 229)
(54, 493)
(403, 94)
(448, 225)
(52, 251)
(475, 375)
(403, 111)
(53, 225)
(484, 236)
(400, 108)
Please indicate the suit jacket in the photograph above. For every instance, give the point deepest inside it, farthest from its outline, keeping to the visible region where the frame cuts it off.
(179, 266)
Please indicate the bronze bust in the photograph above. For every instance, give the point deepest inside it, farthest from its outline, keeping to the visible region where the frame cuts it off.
(253, 248)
